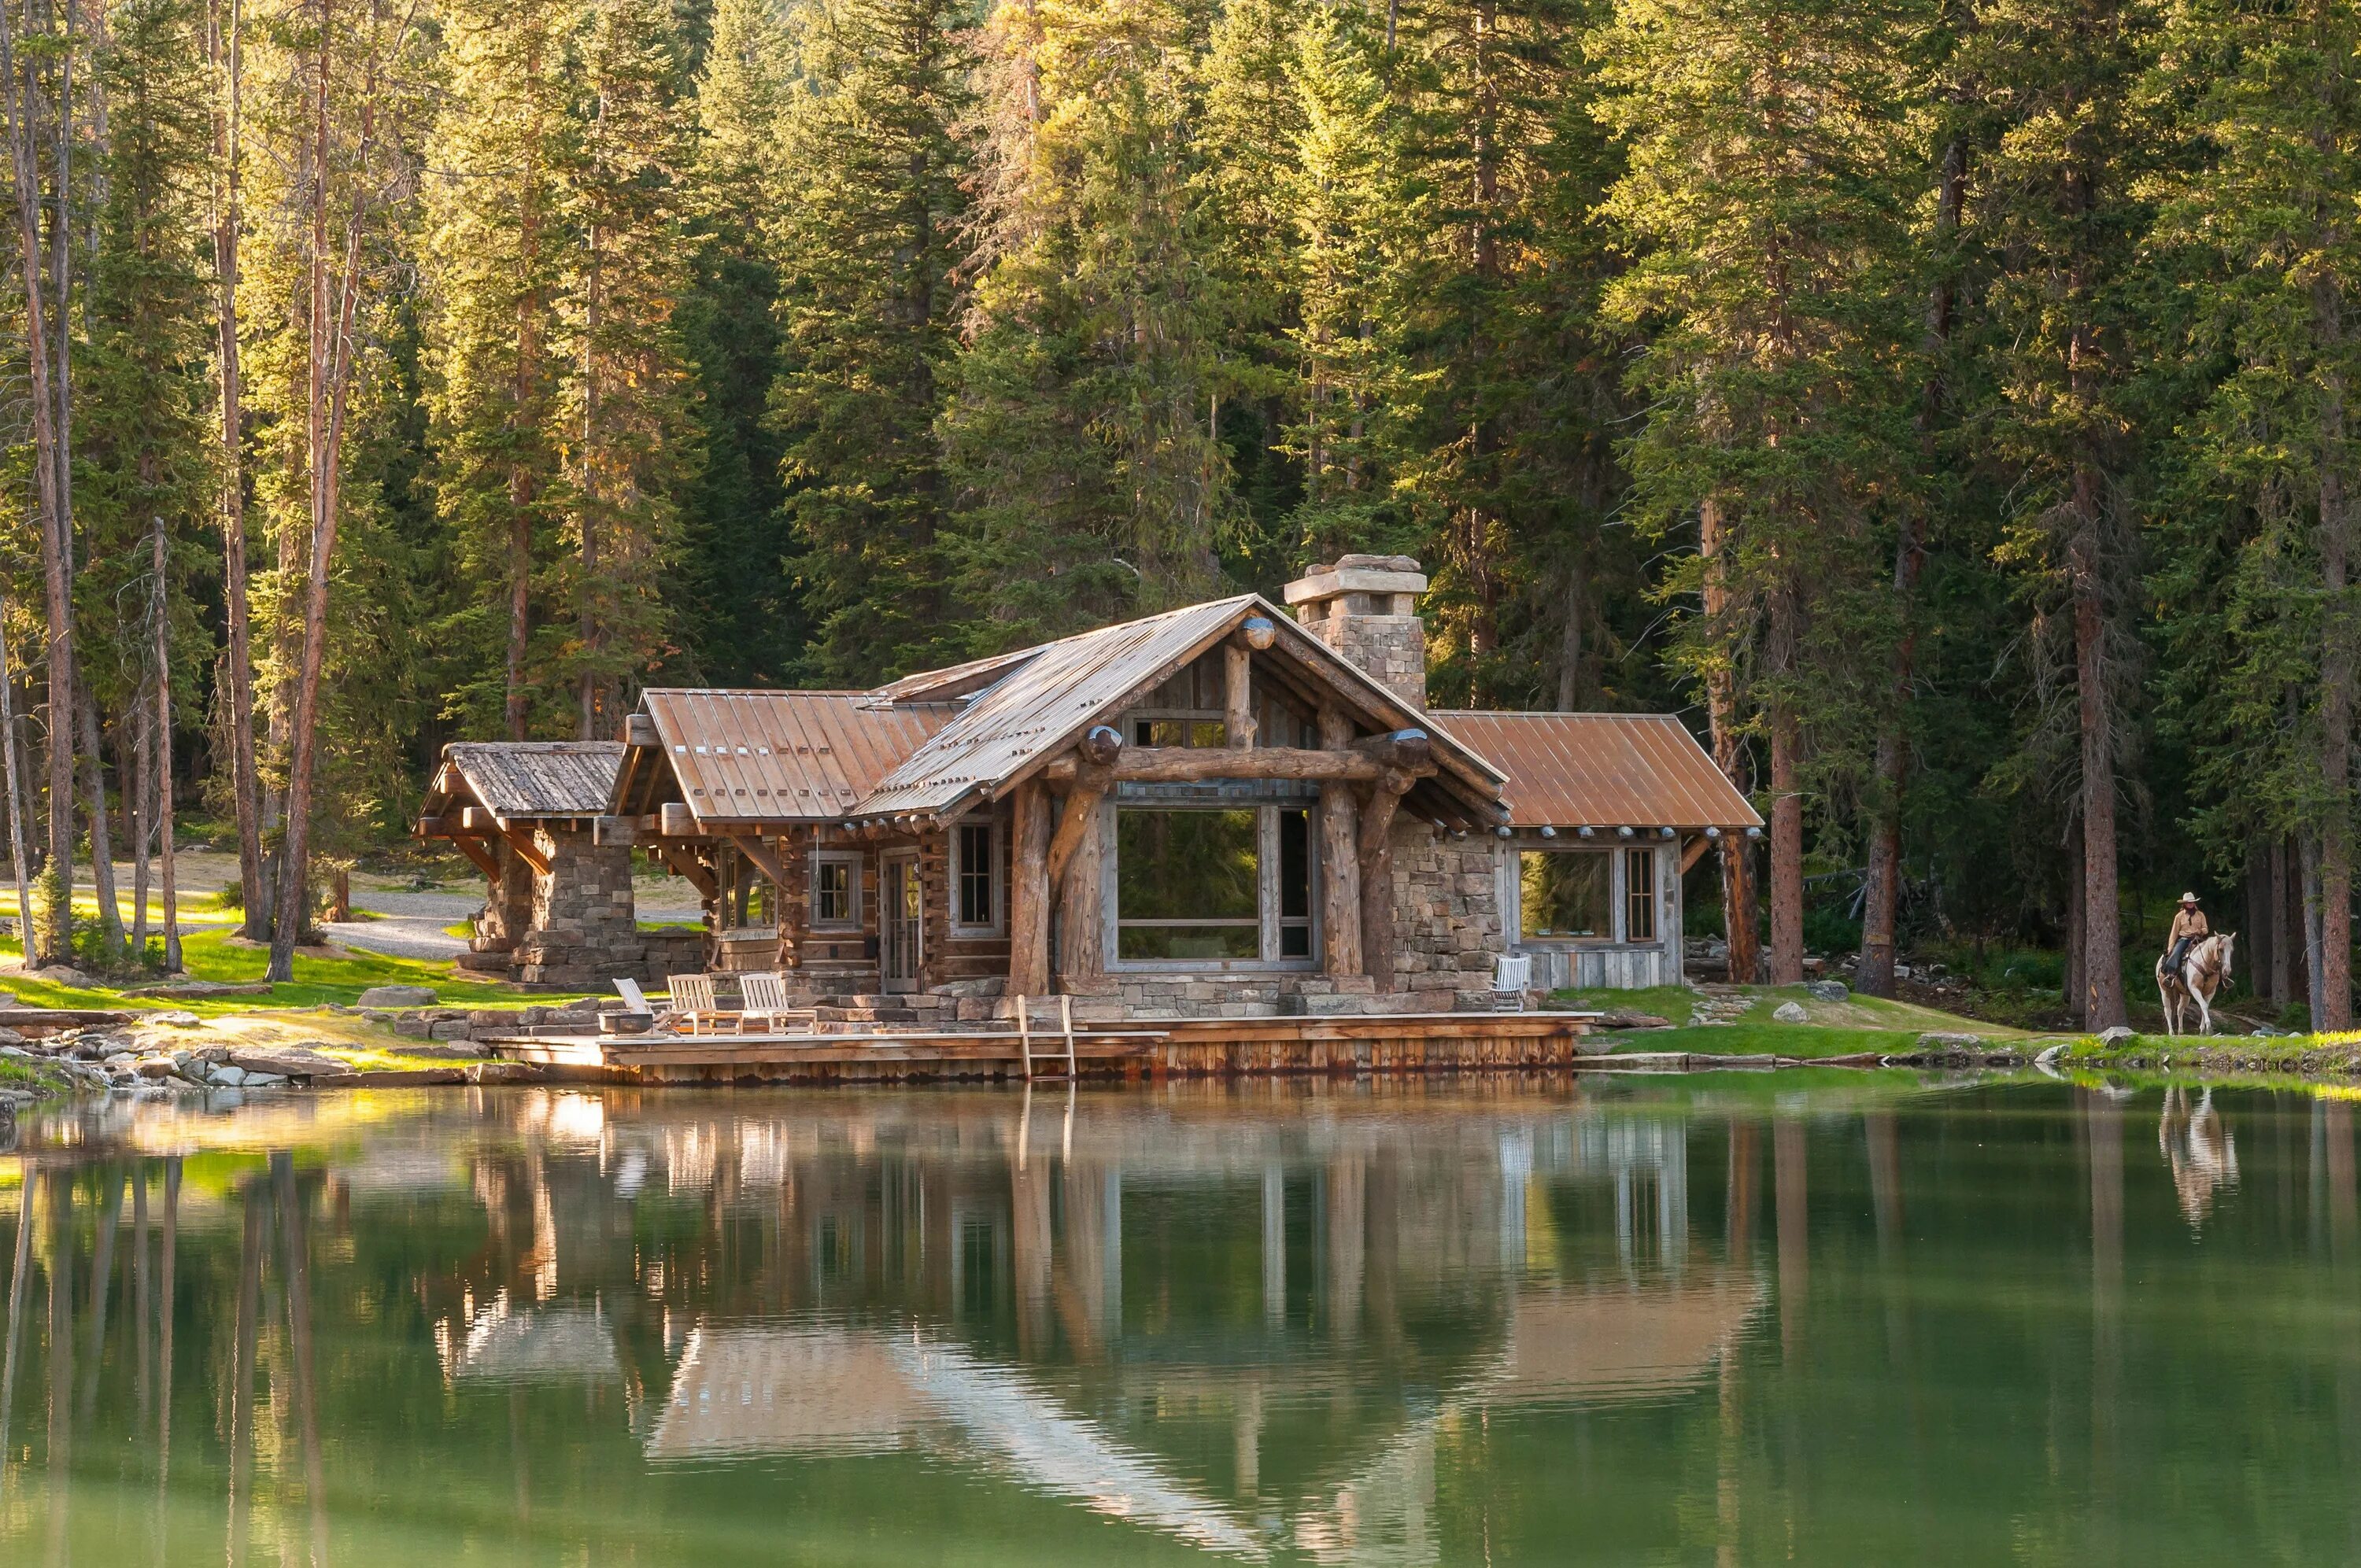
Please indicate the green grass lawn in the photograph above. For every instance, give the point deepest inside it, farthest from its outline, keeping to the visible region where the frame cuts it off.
(1830, 1028)
(1673, 1003)
(215, 955)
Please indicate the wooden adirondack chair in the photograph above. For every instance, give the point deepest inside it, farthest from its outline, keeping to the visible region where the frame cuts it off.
(763, 996)
(694, 1010)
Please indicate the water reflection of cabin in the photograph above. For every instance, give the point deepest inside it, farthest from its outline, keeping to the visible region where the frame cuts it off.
(1217, 809)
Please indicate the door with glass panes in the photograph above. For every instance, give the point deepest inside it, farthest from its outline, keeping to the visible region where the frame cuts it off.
(902, 904)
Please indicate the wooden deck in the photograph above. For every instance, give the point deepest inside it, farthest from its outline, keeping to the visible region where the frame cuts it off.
(1416, 1042)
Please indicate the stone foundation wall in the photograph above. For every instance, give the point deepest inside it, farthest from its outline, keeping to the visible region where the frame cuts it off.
(580, 929)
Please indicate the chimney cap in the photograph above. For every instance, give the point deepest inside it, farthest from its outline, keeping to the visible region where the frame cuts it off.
(1358, 575)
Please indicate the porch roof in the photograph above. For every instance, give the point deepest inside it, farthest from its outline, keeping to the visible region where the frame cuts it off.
(1606, 770)
(524, 779)
(752, 757)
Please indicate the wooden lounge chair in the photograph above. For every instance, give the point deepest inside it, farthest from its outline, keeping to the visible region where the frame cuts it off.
(763, 996)
(694, 1009)
(638, 1016)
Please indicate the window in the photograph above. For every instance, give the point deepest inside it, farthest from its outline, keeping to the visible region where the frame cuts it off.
(1639, 896)
(975, 881)
(1179, 732)
(1188, 884)
(836, 889)
(1213, 886)
(1566, 893)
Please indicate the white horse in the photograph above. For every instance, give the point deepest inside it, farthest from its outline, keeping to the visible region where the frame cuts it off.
(2201, 974)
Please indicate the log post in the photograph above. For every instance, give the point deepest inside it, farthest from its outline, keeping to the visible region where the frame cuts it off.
(1376, 873)
(1237, 690)
(1340, 866)
(1028, 889)
(1081, 939)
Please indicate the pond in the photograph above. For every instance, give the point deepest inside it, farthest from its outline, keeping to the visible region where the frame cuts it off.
(1727, 1319)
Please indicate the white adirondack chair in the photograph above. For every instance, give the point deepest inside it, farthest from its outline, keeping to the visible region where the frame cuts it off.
(1511, 974)
(763, 996)
(694, 1009)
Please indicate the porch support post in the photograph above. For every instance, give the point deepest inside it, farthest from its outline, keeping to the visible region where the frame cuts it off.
(1340, 864)
(1237, 690)
(1028, 911)
(1081, 942)
(1376, 873)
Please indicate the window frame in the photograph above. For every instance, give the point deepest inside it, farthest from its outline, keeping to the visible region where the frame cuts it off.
(1619, 893)
(995, 878)
(851, 858)
(1270, 922)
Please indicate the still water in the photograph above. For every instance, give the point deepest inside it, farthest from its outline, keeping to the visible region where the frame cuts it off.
(1720, 1320)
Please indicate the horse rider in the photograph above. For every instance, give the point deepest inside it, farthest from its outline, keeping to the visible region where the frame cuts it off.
(2189, 929)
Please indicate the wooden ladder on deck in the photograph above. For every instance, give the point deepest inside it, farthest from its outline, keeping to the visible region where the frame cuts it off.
(1024, 1034)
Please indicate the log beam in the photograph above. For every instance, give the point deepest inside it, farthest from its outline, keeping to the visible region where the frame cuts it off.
(1340, 866)
(764, 856)
(476, 850)
(1029, 886)
(681, 861)
(1237, 691)
(1695, 851)
(1376, 860)
(521, 840)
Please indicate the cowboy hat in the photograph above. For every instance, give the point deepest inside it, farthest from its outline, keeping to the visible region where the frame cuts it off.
(2188, 898)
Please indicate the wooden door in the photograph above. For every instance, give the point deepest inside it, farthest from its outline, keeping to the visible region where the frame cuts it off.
(904, 906)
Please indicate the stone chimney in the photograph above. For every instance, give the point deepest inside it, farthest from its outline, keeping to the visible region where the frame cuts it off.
(1366, 608)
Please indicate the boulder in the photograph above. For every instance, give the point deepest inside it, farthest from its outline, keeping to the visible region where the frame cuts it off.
(286, 1061)
(61, 974)
(1939, 1040)
(398, 996)
(155, 1067)
(1790, 1012)
(2117, 1036)
(226, 1076)
(174, 1018)
(1829, 991)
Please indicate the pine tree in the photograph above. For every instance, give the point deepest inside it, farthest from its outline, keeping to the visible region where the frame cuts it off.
(2065, 214)
(741, 619)
(1085, 432)
(872, 229)
(1769, 173)
(624, 408)
(142, 451)
(496, 249)
(2258, 561)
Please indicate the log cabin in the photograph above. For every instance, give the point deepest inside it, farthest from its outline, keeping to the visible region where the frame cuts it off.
(1224, 809)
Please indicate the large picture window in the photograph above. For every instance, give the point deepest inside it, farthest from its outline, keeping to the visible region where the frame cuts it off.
(1587, 895)
(1213, 886)
(1566, 894)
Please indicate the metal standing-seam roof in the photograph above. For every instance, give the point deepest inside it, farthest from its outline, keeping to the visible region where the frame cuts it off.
(1043, 704)
(1572, 770)
(783, 756)
(527, 779)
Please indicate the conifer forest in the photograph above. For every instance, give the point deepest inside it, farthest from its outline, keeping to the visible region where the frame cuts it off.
(1941, 404)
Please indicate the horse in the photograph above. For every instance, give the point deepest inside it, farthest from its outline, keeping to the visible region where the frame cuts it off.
(2203, 973)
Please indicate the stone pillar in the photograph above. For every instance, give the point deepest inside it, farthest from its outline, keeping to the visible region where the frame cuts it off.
(584, 929)
(1366, 608)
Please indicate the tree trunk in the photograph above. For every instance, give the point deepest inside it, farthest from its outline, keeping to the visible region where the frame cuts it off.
(102, 848)
(2285, 949)
(1728, 755)
(2078, 966)
(223, 48)
(2316, 998)
(1786, 799)
(55, 941)
(163, 758)
(135, 805)
(19, 847)
(2335, 985)
(328, 371)
(2103, 915)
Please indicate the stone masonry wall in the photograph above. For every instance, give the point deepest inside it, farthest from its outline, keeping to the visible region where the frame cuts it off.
(1392, 648)
(1447, 916)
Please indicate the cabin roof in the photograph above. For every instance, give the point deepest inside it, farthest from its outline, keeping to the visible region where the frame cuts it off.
(1606, 770)
(529, 779)
(1042, 704)
(784, 756)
